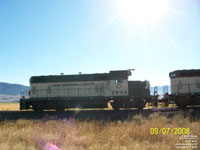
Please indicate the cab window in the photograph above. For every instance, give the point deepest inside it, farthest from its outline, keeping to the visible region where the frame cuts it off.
(119, 80)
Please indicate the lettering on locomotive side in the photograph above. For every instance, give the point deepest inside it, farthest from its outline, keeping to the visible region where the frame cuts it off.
(73, 84)
(56, 85)
(87, 84)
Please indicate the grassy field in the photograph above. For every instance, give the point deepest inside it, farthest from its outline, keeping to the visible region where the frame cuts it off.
(133, 134)
(9, 106)
(15, 106)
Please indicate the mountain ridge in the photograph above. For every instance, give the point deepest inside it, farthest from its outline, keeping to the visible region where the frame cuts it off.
(12, 89)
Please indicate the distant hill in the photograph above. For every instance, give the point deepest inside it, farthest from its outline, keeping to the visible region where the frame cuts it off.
(12, 89)
(9, 98)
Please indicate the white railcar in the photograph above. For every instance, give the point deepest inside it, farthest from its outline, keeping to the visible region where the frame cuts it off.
(185, 87)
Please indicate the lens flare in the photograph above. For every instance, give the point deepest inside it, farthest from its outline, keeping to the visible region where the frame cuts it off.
(46, 145)
(142, 11)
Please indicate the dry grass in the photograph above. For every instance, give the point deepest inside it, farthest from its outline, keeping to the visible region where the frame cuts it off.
(70, 134)
(9, 106)
(15, 107)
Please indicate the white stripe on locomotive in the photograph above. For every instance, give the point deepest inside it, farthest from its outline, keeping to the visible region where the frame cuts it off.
(79, 89)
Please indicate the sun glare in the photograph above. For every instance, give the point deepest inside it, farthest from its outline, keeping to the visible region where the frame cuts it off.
(142, 12)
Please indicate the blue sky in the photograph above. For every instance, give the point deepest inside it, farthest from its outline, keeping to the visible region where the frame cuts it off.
(43, 37)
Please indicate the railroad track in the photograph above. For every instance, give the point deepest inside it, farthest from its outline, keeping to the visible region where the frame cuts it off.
(90, 114)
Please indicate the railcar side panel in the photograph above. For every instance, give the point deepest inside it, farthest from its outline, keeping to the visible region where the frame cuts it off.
(183, 85)
(79, 89)
(139, 89)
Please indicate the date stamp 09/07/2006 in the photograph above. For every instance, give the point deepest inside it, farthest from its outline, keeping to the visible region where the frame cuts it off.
(187, 141)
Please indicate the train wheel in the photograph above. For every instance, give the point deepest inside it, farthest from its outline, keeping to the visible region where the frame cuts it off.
(166, 104)
(141, 104)
(181, 105)
(37, 109)
(181, 101)
(115, 106)
(155, 104)
(60, 109)
(140, 107)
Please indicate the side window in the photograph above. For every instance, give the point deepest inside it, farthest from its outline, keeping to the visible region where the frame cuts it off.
(173, 74)
(119, 80)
